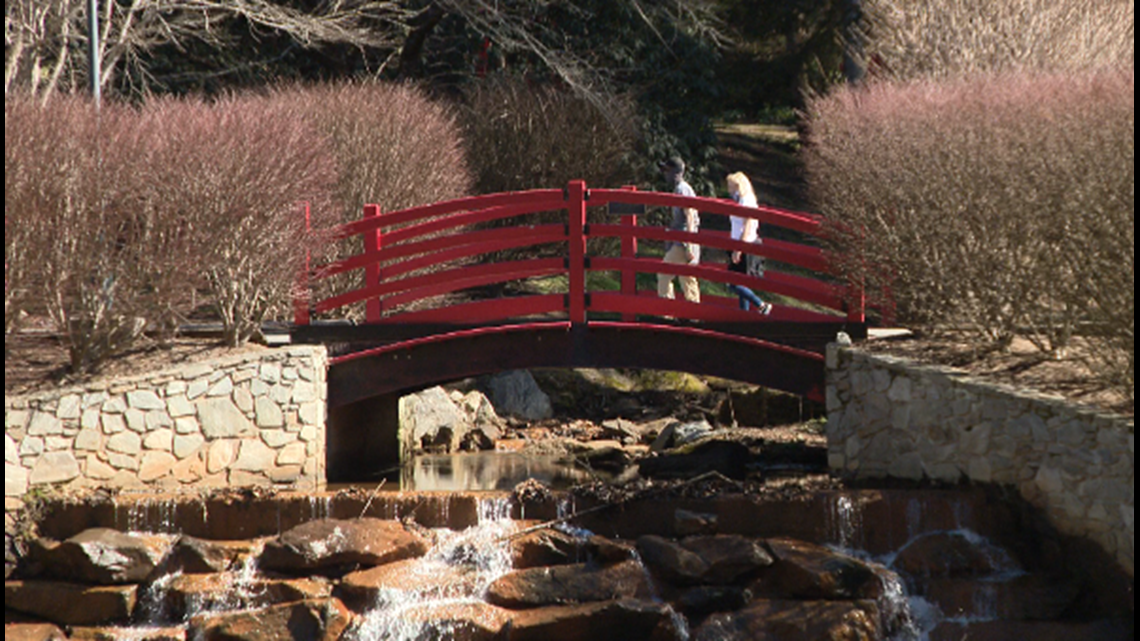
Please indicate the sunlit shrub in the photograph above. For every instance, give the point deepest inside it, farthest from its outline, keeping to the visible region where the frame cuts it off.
(394, 147)
(231, 178)
(539, 137)
(1004, 203)
(77, 247)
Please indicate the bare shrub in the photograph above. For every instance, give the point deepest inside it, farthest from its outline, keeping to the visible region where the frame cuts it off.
(71, 179)
(527, 137)
(919, 38)
(393, 145)
(1005, 202)
(540, 137)
(231, 177)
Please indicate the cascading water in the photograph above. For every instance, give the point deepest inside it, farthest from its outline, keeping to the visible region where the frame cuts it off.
(480, 554)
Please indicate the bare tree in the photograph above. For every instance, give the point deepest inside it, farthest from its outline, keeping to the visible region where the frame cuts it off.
(45, 40)
(919, 38)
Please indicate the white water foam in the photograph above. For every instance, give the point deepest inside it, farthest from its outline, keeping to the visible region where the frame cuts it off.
(480, 553)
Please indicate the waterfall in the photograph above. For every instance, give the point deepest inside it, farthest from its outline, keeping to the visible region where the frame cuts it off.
(480, 553)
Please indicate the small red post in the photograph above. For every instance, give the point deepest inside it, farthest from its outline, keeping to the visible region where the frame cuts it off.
(855, 289)
(301, 315)
(629, 250)
(576, 210)
(372, 244)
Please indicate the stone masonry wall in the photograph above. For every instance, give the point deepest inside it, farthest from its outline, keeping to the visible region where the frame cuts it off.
(257, 418)
(890, 417)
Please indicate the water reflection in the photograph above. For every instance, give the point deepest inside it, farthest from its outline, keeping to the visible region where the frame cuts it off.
(487, 471)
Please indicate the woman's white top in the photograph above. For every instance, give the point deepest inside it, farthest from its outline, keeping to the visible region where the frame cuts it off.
(745, 228)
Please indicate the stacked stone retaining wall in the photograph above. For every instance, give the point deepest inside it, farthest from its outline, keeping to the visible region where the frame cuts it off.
(257, 418)
(890, 417)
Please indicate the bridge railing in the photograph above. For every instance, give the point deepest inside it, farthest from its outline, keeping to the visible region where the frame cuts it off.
(400, 248)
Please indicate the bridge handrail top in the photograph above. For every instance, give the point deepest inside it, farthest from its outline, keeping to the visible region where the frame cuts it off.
(540, 198)
(800, 221)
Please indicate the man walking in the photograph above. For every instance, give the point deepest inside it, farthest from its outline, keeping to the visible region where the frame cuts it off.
(684, 219)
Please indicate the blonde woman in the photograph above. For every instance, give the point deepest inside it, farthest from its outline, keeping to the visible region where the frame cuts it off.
(747, 230)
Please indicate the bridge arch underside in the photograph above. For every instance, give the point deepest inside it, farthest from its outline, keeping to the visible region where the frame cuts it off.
(420, 364)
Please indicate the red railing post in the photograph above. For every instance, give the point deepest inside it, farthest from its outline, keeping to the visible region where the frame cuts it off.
(576, 211)
(629, 251)
(302, 296)
(372, 243)
(855, 288)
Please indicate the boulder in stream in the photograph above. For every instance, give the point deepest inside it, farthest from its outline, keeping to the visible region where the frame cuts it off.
(728, 557)
(952, 554)
(601, 621)
(333, 544)
(452, 621)
(576, 583)
(795, 621)
(359, 590)
(517, 394)
(103, 556)
(312, 620)
(191, 555)
(809, 571)
(33, 632)
(70, 603)
(726, 457)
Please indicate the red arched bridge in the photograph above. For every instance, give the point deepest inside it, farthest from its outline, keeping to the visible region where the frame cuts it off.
(414, 258)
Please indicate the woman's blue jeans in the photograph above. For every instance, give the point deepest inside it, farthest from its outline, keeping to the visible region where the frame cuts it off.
(747, 297)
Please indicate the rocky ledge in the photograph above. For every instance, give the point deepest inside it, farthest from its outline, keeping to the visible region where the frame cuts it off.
(330, 579)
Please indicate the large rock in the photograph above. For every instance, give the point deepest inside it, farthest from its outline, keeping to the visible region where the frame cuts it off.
(726, 457)
(809, 571)
(330, 544)
(121, 633)
(622, 620)
(704, 560)
(70, 603)
(311, 620)
(728, 557)
(703, 600)
(952, 554)
(190, 594)
(430, 421)
(670, 561)
(576, 583)
(361, 589)
(451, 621)
(105, 556)
(33, 632)
(193, 555)
(517, 394)
(677, 434)
(545, 547)
(794, 621)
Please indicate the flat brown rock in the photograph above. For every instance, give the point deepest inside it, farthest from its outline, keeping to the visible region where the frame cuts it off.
(604, 621)
(333, 543)
(794, 621)
(576, 583)
(312, 620)
(808, 571)
(70, 603)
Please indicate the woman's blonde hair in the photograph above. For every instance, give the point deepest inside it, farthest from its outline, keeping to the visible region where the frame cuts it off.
(742, 184)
